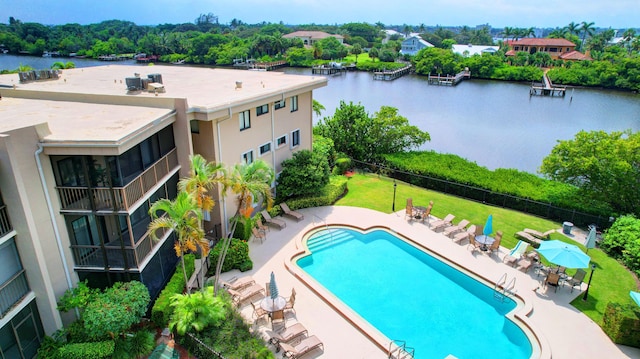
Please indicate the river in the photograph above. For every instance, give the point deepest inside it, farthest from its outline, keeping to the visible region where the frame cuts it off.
(495, 124)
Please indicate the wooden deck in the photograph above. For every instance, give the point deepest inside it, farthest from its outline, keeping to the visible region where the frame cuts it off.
(260, 66)
(328, 70)
(547, 88)
(449, 80)
(389, 75)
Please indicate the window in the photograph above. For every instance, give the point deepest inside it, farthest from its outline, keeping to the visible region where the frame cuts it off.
(281, 141)
(266, 148)
(294, 103)
(247, 157)
(295, 138)
(245, 120)
(261, 110)
(280, 104)
(195, 126)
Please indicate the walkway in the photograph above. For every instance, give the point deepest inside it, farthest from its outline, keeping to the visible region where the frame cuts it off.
(568, 333)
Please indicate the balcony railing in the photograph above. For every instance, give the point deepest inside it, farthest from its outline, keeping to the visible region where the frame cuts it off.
(12, 291)
(118, 198)
(112, 256)
(5, 224)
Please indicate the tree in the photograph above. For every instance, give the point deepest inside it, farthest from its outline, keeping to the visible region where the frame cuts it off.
(627, 38)
(250, 183)
(356, 50)
(302, 175)
(587, 28)
(183, 217)
(373, 53)
(317, 108)
(573, 28)
(606, 166)
(196, 311)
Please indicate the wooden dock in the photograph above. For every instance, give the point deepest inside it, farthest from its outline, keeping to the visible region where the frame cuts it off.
(389, 75)
(449, 80)
(260, 66)
(547, 88)
(328, 70)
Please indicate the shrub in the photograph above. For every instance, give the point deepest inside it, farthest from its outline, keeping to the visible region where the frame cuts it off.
(342, 165)
(91, 350)
(622, 242)
(236, 258)
(161, 311)
(243, 228)
(139, 344)
(621, 324)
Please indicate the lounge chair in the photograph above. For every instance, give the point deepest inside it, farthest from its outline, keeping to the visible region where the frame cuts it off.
(553, 279)
(258, 235)
(451, 230)
(459, 237)
(293, 214)
(524, 236)
(306, 345)
(276, 222)
(238, 284)
(576, 280)
(441, 224)
(544, 236)
(286, 335)
(238, 297)
(516, 253)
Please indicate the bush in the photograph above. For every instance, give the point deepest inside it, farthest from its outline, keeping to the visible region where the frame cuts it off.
(236, 258)
(243, 229)
(622, 242)
(139, 344)
(622, 324)
(342, 165)
(161, 311)
(91, 350)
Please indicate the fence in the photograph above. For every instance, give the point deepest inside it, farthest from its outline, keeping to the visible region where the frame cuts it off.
(201, 349)
(540, 209)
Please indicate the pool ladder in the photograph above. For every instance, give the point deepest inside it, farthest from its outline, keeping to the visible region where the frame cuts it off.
(503, 288)
(398, 349)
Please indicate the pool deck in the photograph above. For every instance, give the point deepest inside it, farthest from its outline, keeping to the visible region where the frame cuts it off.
(564, 331)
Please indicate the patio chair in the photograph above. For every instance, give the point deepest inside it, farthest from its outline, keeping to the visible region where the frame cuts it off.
(459, 237)
(258, 312)
(441, 224)
(238, 284)
(293, 214)
(553, 279)
(291, 301)
(516, 253)
(427, 214)
(306, 345)
(408, 209)
(286, 335)
(276, 222)
(278, 320)
(261, 227)
(495, 246)
(451, 230)
(472, 243)
(538, 234)
(576, 280)
(258, 235)
(238, 297)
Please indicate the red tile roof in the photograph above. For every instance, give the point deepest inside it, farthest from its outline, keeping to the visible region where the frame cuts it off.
(530, 41)
(575, 55)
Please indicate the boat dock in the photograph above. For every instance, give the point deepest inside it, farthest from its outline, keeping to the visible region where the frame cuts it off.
(389, 75)
(260, 66)
(449, 80)
(547, 88)
(330, 69)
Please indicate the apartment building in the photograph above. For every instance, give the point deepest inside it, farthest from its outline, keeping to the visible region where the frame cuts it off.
(83, 155)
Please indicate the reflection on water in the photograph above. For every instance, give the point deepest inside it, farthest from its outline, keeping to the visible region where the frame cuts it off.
(495, 124)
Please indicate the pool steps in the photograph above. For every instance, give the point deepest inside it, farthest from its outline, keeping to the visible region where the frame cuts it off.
(326, 238)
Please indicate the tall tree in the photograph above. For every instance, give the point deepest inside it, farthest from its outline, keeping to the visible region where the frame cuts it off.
(586, 28)
(183, 217)
(573, 28)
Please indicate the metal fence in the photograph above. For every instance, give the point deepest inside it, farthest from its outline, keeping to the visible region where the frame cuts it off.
(540, 209)
(203, 349)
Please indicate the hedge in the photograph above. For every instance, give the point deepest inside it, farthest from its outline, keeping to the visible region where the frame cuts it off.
(332, 192)
(162, 310)
(237, 256)
(91, 350)
(622, 324)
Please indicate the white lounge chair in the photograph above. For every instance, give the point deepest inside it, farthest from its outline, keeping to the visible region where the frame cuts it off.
(305, 346)
(441, 224)
(516, 253)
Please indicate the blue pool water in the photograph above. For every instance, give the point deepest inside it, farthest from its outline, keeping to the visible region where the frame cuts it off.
(410, 295)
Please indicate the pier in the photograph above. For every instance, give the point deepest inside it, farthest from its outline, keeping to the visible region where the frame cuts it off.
(547, 88)
(449, 80)
(389, 75)
(259, 66)
(331, 69)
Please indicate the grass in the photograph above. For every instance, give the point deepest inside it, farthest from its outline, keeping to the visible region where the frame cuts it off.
(611, 281)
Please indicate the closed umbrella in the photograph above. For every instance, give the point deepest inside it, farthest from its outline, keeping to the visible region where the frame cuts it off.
(488, 227)
(273, 288)
(564, 254)
(591, 239)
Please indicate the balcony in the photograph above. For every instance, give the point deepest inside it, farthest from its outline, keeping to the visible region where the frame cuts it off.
(113, 255)
(117, 198)
(12, 291)
(5, 225)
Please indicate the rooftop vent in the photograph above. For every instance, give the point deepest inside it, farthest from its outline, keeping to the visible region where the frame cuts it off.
(157, 78)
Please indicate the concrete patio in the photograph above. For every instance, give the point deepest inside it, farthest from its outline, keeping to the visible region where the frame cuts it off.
(563, 331)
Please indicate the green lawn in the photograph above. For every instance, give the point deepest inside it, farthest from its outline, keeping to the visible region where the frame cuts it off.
(611, 281)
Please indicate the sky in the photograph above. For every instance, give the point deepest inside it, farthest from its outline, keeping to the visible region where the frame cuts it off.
(617, 14)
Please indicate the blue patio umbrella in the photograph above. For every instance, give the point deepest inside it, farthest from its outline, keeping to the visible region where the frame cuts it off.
(488, 227)
(564, 254)
(591, 239)
(273, 288)
(635, 296)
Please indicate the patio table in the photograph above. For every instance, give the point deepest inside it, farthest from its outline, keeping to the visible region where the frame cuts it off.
(485, 241)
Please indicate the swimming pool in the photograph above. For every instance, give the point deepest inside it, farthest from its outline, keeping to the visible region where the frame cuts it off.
(409, 295)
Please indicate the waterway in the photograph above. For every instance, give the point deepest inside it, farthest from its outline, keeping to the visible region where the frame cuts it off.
(495, 124)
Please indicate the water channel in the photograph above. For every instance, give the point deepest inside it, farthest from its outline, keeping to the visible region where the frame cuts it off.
(495, 124)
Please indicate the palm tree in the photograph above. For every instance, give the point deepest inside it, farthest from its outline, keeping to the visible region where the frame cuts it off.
(203, 176)
(407, 30)
(317, 108)
(196, 311)
(627, 38)
(573, 28)
(507, 32)
(183, 217)
(250, 182)
(586, 28)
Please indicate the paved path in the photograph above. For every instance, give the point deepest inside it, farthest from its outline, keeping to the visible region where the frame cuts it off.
(564, 331)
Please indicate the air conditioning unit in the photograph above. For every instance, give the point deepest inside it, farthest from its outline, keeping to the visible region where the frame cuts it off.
(157, 78)
(133, 83)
